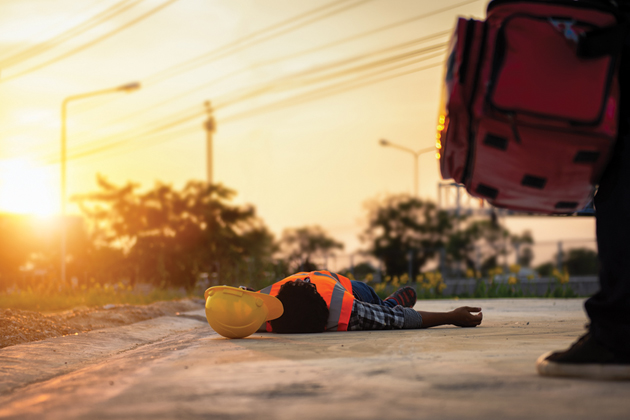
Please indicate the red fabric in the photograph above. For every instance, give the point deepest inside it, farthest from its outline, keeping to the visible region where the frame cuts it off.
(522, 110)
(564, 86)
(456, 95)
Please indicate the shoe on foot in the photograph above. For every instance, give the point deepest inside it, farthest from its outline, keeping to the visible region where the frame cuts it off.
(586, 358)
(404, 297)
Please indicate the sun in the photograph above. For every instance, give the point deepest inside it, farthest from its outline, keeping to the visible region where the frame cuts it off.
(27, 189)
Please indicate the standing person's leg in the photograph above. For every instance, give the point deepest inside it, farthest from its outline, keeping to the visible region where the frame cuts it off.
(609, 309)
(405, 296)
(604, 352)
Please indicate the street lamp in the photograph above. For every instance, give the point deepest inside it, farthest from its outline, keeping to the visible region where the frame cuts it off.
(387, 143)
(129, 87)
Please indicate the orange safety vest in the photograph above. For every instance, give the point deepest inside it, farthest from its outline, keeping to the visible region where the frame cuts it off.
(334, 288)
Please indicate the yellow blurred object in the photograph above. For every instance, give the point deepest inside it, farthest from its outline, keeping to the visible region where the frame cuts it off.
(237, 313)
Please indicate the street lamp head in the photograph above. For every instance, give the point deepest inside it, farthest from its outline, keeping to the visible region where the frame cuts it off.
(130, 87)
(384, 142)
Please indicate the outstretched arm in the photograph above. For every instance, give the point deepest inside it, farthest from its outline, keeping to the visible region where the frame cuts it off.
(462, 317)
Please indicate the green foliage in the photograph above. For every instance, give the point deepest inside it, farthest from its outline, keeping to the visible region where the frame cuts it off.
(581, 261)
(361, 271)
(482, 241)
(400, 225)
(545, 270)
(301, 245)
(522, 243)
(561, 284)
(577, 261)
(47, 298)
(170, 237)
(496, 284)
(560, 291)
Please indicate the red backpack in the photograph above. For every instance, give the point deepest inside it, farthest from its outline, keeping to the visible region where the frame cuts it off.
(530, 103)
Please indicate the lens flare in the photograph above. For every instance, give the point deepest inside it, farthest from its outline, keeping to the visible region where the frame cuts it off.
(26, 188)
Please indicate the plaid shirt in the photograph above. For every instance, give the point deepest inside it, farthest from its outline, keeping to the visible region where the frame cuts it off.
(369, 316)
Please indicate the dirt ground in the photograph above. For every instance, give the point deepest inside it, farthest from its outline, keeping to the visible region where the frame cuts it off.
(18, 327)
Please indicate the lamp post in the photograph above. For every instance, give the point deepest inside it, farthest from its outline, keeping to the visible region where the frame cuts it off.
(129, 87)
(416, 155)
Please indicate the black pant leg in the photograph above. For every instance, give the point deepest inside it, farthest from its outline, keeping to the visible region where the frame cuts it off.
(609, 309)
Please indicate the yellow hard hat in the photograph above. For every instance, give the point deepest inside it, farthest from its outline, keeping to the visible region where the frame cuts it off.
(237, 313)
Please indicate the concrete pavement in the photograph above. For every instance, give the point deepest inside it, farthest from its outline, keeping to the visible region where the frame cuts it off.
(179, 368)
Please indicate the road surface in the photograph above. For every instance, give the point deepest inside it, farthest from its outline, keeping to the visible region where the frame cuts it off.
(178, 368)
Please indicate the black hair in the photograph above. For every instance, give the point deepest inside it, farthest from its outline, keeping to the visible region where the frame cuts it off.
(305, 310)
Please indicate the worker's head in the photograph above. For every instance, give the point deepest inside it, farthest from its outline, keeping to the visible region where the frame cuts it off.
(305, 310)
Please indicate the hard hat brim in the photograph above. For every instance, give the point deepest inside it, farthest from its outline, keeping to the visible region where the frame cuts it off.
(272, 303)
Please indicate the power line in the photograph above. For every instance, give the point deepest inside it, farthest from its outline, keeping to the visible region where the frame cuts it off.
(200, 60)
(148, 140)
(319, 94)
(301, 74)
(83, 27)
(311, 96)
(250, 40)
(159, 75)
(189, 115)
(91, 43)
(17, 49)
(173, 71)
(314, 80)
(264, 88)
(299, 99)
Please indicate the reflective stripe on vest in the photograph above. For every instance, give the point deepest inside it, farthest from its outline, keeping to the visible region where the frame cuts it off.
(332, 287)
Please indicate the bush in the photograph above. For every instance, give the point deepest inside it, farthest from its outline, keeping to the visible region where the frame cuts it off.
(496, 284)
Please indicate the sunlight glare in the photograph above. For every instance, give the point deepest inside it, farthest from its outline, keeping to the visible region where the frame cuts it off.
(26, 188)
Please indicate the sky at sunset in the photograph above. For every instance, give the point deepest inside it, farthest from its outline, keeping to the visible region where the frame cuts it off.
(303, 92)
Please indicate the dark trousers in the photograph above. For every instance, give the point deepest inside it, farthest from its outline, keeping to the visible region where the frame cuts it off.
(609, 309)
(365, 293)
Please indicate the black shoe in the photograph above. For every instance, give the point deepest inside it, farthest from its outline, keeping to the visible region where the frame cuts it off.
(404, 297)
(584, 359)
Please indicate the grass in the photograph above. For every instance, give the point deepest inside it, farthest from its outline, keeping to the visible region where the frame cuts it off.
(45, 299)
(428, 285)
(496, 284)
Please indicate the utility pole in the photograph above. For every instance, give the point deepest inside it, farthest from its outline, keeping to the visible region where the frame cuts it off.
(210, 127)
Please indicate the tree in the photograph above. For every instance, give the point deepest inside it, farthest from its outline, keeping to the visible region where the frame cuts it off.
(478, 245)
(170, 237)
(545, 269)
(581, 262)
(400, 226)
(359, 271)
(301, 245)
(577, 261)
(522, 245)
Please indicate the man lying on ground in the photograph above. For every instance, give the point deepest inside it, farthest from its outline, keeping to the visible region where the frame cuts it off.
(323, 301)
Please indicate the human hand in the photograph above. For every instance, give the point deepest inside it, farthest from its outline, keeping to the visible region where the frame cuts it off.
(464, 317)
